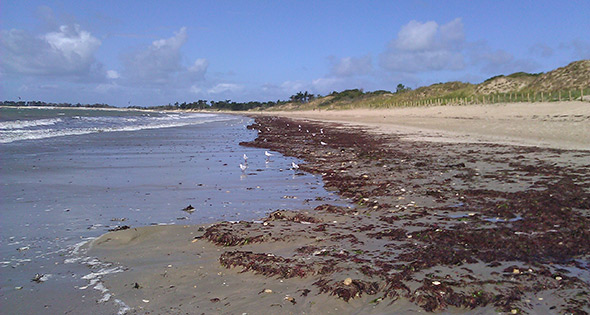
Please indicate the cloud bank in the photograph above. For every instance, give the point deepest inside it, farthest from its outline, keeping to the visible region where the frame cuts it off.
(426, 47)
(158, 63)
(68, 51)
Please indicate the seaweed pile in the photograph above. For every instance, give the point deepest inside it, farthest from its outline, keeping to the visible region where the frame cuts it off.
(463, 225)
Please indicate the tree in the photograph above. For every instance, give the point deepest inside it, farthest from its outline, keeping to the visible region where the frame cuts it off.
(301, 97)
(402, 88)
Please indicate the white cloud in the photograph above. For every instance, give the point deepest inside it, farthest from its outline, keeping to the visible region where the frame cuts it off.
(580, 48)
(48, 86)
(499, 61)
(541, 49)
(497, 57)
(452, 32)
(351, 66)
(107, 88)
(426, 47)
(416, 36)
(196, 89)
(293, 86)
(200, 66)
(327, 84)
(225, 87)
(67, 51)
(160, 64)
(112, 74)
(73, 43)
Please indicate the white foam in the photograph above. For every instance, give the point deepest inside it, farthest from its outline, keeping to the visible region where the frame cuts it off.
(95, 278)
(102, 272)
(100, 287)
(105, 298)
(72, 260)
(123, 308)
(77, 246)
(20, 124)
(8, 136)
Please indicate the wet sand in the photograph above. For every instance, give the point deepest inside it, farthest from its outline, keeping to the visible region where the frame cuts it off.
(463, 226)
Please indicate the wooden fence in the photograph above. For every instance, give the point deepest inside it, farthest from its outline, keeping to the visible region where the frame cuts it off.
(582, 94)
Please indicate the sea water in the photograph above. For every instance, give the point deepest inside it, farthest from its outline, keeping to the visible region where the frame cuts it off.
(68, 175)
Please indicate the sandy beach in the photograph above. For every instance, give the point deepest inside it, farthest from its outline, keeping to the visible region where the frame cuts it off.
(472, 209)
(562, 125)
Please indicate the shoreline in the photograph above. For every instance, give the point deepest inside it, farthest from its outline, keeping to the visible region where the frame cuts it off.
(138, 178)
(452, 227)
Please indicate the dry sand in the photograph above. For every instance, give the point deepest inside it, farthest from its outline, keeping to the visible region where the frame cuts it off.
(562, 125)
(450, 226)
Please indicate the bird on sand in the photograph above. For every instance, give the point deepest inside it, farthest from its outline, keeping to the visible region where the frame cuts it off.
(268, 154)
(245, 158)
(294, 166)
(243, 167)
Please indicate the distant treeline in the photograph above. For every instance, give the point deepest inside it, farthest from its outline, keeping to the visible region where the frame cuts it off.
(299, 98)
(40, 103)
(215, 105)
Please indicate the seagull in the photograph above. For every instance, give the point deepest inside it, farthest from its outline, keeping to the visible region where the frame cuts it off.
(322, 131)
(243, 167)
(268, 154)
(245, 158)
(294, 166)
(323, 143)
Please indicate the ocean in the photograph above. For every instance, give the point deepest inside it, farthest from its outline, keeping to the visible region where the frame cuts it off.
(68, 175)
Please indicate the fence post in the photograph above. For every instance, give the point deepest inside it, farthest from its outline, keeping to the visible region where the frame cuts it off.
(581, 94)
(570, 91)
(541, 96)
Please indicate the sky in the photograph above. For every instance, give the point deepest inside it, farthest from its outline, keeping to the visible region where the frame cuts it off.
(146, 53)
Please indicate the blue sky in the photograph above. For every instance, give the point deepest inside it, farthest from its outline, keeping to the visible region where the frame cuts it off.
(158, 52)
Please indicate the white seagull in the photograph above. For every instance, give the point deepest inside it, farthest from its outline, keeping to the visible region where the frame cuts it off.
(294, 166)
(323, 143)
(268, 154)
(243, 167)
(245, 158)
